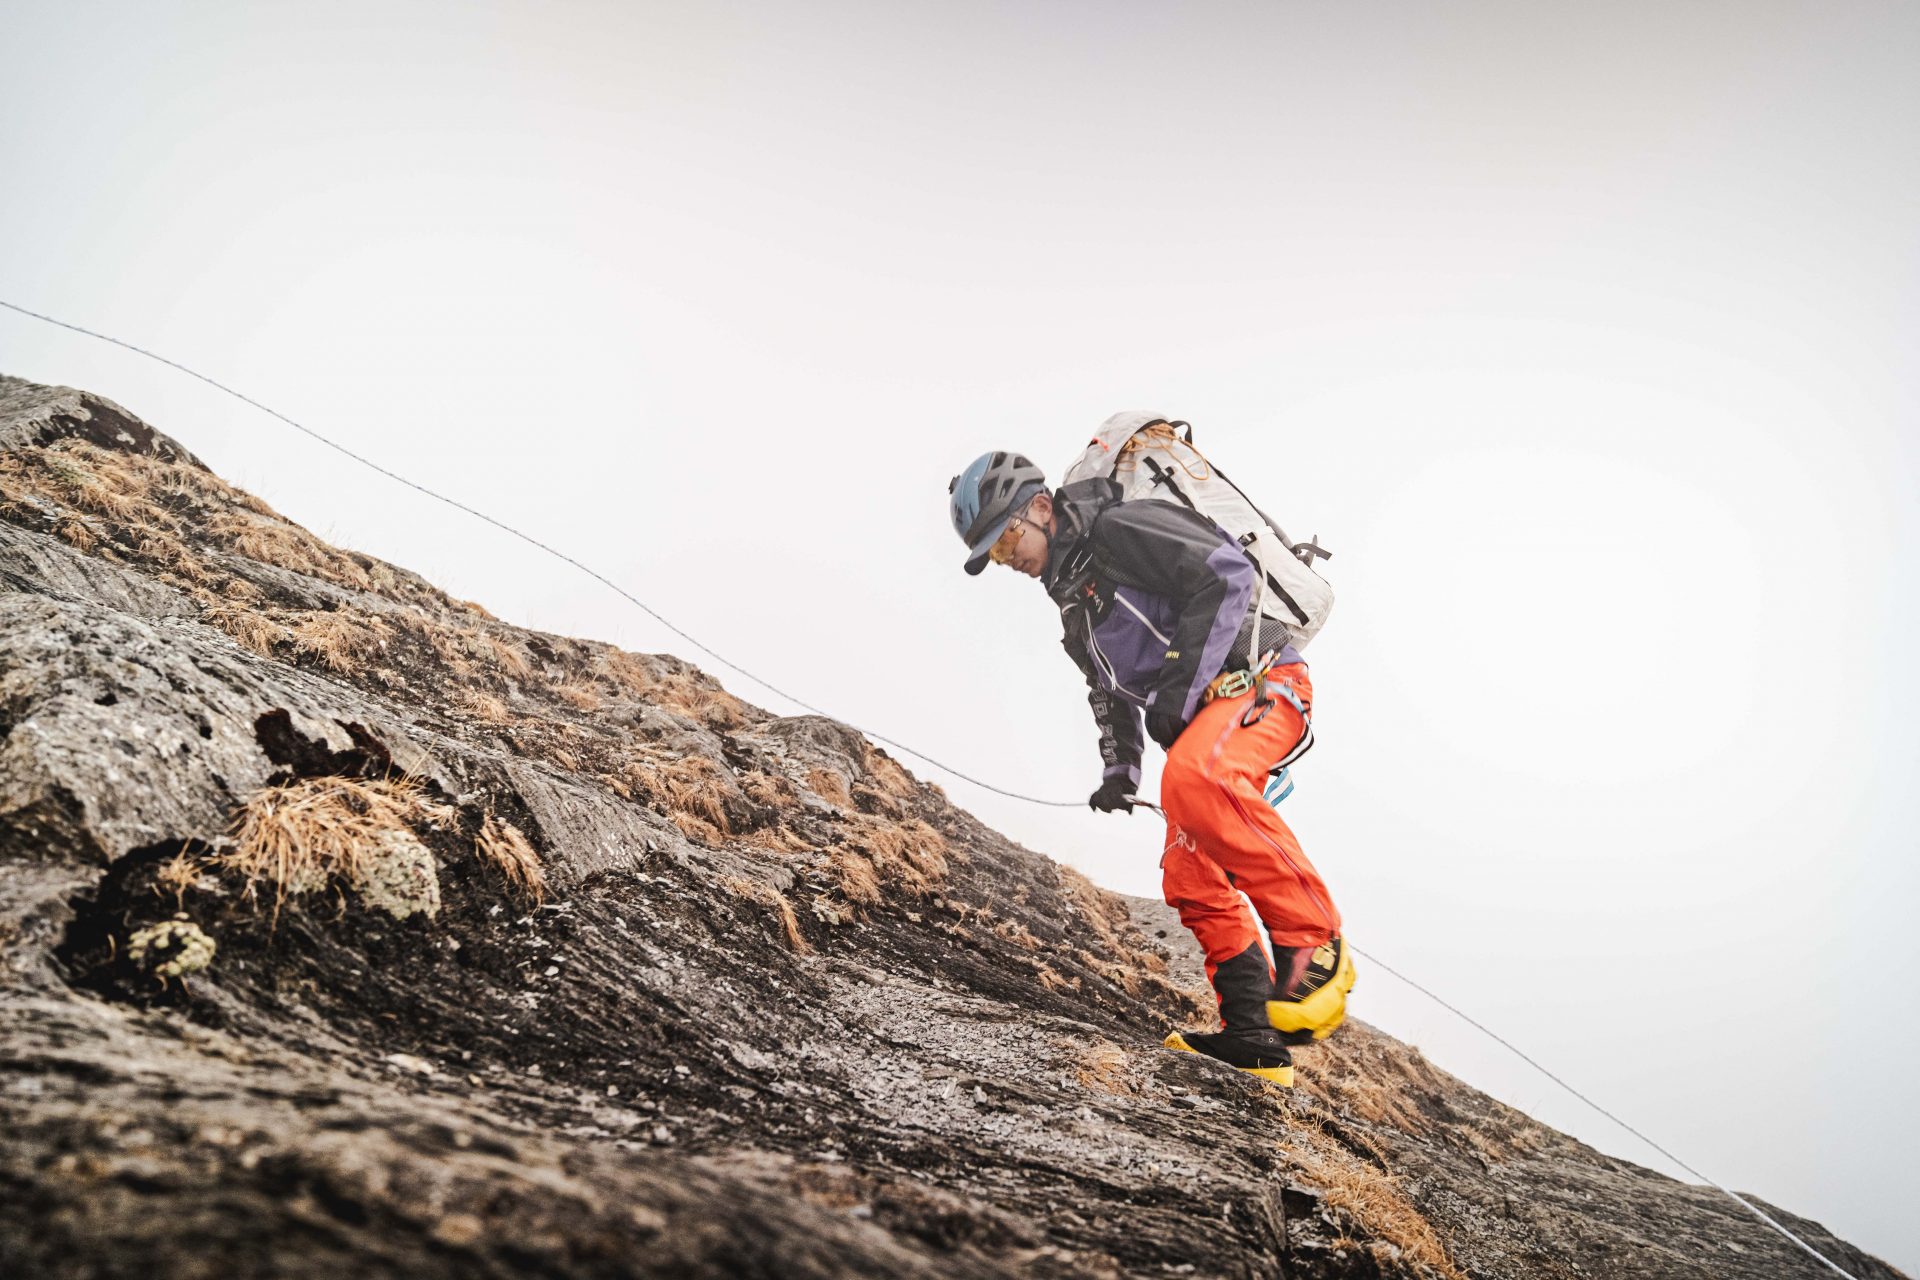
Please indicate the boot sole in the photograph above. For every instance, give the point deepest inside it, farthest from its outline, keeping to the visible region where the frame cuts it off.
(1320, 1013)
(1282, 1076)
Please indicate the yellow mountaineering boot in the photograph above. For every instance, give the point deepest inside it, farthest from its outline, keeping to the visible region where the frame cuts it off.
(1258, 1052)
(1315, 999)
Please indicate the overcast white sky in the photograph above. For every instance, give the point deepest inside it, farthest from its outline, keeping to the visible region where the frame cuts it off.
(1582, 334)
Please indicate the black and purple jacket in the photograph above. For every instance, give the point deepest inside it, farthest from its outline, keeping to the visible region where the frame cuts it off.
(1155, 601)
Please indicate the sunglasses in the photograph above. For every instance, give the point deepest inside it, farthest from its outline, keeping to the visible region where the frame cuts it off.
(1002, 550)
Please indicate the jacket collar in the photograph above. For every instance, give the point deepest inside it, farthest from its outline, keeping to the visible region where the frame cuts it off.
(1076, 507)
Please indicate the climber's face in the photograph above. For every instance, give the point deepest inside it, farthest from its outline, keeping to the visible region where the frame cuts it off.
(1023, 547)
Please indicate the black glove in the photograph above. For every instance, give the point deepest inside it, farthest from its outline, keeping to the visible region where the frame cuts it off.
(1112, 796)
(1164, 729)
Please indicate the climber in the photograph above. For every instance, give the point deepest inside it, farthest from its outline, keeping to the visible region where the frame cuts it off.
(1157, 602)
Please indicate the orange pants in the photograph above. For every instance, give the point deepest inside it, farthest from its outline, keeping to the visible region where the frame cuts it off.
(1223, 838)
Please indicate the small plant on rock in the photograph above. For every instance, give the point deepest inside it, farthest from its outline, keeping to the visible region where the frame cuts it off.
(314, 832)
(171, 949)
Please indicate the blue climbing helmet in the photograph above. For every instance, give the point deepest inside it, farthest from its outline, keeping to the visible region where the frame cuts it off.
(985, 496)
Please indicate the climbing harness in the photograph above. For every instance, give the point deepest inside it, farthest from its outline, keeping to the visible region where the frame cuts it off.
(1266, 692)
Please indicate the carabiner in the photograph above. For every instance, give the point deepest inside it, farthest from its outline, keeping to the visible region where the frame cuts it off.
(1257, 711)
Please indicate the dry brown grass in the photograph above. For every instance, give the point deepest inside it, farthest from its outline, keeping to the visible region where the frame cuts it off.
(911, 854)
(1051, 979)
(699, 697)
(464, 650)
(483, 706)
(506, 849)
(767, 789)
(910, 858)
(578, 696)
(381, 574)
(253, 629)
(1102, 1066)
(1370, 1198)
(829, 786)
(626, 671)
(448, 644)
(1122, 976)
(887, 773)
(1378, 1085)
(339, 640)
(1121, 954)
(313, 832)
(77, 535)
(859, 882)
(160, 547)
(286, 546)
(1018, 934)
(178, 874)
(1105, 915)
(777, 837)
(108, 499)
(141, 507)
(503, 655)
(768, 896)
(689, 788)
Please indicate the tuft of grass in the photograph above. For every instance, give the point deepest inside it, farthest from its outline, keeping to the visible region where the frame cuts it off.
(98, 495)
(1018, 934)
(1051, 979)
(628, 672)
(1102, 1067)
(1377, 1088)
(767, 789)
(1371, 1199)
(77, 535)
(507, 850)
(578, 696)
(911, 854)
(178, 874)
(502, 655)
(1121, 954)
(888, 774)
(699, 697)
(449, 645)
(254, 630)
(159, 546)
(859, 882)
(688, 787)
(829, 786)
(286, 546)
(341, 642)
(301, 837)
(484, 707)
(767, 895)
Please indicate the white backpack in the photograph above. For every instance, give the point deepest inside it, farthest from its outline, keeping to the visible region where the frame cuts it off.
(1150, 456)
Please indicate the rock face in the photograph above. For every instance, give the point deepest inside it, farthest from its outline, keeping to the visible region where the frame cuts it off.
(701, 992)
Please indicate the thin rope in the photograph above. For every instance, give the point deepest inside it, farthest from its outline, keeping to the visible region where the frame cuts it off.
(532, 541)
(897, 745)
(1514, 1049)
